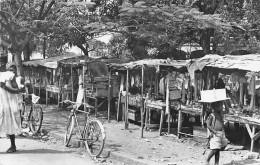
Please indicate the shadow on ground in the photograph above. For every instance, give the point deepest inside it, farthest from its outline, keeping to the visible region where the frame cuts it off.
(244, 162)
(39, 151)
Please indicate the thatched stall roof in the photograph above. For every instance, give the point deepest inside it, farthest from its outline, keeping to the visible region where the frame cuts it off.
(149, 63)
(249, 62)
(51, 62)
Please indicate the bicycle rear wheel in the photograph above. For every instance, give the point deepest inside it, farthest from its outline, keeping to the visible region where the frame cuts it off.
(95, 136)
(36, 118)
(69, 130)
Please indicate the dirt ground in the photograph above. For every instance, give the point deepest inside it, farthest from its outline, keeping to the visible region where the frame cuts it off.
(162, 150)
(166, 149)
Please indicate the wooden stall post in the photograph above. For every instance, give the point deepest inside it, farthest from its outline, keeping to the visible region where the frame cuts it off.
(142, 108)
(241, 94)
(46, 90)
(60, 90)
(83, 86)
(252, 103)
(126, 99)
(195, 88)
(167, 109)
(156, 86)
(118, 106)
(109, 97)
(252, 139)
(33, 82)
(180, 113)
(72, 84)
(119, 97)
(40, 85)
(161, 122)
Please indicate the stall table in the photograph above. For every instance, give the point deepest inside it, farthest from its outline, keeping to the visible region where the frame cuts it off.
(52, 89)
(188, 110)
(157, 105)
(248, 122)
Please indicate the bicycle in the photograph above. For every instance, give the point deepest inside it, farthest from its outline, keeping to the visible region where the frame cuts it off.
(92, 135)
(32, 113)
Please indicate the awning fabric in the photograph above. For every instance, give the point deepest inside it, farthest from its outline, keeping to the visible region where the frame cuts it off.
(249, 62)
(51, 62)
(149, 63)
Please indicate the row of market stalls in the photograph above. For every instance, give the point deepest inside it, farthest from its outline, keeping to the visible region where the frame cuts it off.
(60, 78)
(158, 92)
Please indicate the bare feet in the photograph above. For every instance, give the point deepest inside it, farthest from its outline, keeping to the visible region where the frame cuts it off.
(11, 150)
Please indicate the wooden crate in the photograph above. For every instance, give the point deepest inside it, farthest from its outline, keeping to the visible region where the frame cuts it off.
(134, 114)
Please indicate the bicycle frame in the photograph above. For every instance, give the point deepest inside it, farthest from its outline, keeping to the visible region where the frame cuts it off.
(73, 113)
(32, 105)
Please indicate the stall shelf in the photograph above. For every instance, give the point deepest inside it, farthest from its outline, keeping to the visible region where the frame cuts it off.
(248, 122)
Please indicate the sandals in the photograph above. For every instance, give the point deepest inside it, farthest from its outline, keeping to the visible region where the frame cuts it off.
(11, 150)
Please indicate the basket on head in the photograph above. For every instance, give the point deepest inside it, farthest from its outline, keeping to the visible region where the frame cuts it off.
(214, 95)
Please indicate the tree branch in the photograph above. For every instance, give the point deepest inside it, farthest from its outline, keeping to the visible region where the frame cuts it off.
(19, 11)
(41, 10)
(2, 13)
(48, 9)
(6, 27)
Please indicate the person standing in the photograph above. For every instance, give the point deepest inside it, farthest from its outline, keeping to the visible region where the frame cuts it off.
(10, 119)
(215, 124)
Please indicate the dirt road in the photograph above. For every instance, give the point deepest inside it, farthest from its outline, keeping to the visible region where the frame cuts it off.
(40, 152)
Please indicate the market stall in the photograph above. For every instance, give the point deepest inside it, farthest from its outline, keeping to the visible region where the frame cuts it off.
(239, 76)
(48, 75)
(147, 86)
(98, 86)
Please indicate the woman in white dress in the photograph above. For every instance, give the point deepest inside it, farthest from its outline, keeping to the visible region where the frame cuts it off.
(10, 124)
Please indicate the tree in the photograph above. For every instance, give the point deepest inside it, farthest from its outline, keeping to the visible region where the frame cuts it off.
(178, 22)
(59, 21)
(86, 25)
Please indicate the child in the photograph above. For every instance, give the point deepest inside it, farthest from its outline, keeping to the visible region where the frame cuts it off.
(215, 124)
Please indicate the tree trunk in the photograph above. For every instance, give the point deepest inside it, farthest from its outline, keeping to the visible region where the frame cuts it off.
(205, 41)
(18, 62)
(84, 50)
(26, 52)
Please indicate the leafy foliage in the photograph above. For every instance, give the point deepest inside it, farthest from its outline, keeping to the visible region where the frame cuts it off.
(227, 23)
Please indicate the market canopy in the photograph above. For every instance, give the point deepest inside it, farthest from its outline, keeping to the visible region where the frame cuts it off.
(51, 62)
(250, 62)
(150, 63)
(77, 61)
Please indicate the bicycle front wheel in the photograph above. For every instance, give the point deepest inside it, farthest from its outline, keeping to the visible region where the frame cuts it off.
(95, 136)
(36, 118)
(69, 130)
